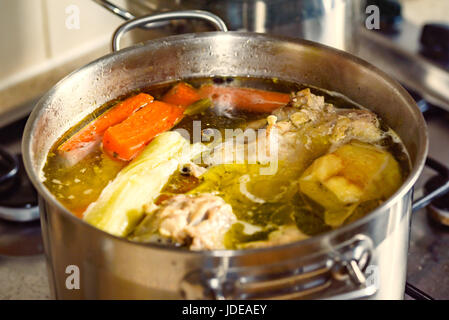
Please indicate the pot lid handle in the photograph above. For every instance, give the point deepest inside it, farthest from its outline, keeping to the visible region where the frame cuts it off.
(216, 21)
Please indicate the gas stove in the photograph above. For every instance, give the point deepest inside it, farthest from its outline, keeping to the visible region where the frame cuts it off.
(428, 258)
(418, 56)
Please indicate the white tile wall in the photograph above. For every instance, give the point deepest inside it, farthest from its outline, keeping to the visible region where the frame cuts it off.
(22, 36)
(34, 36)
(95, 25)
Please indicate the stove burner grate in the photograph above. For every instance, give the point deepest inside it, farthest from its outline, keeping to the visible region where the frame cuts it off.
(18, 198)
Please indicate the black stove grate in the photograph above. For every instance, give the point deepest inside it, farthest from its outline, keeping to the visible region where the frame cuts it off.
(443, 173)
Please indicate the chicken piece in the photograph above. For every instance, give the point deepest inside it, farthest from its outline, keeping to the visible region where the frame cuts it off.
(199, 222)
(305, 106)
(305, 99)
(289, 147)
(362, 125)
(313, 117)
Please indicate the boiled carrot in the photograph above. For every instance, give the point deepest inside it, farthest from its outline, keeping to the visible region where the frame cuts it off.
(125, 140)
(253, 100)
(182, 94)
(97, 127)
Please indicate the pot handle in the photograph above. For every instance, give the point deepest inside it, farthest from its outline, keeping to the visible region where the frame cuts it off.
(216, 21)
(126, 15)
(118, 11)
(345, 274)
(443, 171)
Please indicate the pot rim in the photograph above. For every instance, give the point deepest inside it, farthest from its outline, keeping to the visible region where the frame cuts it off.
(406, 186)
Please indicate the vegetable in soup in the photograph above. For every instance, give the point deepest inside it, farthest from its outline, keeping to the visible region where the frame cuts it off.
(226, 163)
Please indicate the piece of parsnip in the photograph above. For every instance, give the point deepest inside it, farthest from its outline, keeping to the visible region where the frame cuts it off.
(119, 207)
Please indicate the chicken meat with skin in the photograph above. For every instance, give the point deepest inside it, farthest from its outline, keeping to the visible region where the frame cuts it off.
(297, 133)
(315, 119)
(309, 127)
(199, 222)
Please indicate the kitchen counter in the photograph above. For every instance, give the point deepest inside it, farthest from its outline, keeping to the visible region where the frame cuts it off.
(23, 272)
(24, 278)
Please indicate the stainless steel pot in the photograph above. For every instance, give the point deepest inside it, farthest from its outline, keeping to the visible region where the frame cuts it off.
(333, 23)
(365, 259)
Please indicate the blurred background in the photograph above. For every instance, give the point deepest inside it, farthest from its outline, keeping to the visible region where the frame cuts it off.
(44, 40)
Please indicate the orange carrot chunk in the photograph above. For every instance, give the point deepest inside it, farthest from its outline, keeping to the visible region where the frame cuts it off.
(125, 140)
(182, 94)
(252, 100)
(97, 127)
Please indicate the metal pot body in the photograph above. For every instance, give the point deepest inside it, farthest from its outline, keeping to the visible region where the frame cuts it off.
(365, 259)
(329, 22)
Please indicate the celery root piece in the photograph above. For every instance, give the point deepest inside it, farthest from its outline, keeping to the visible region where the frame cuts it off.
(352, 174)
(119, 207)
